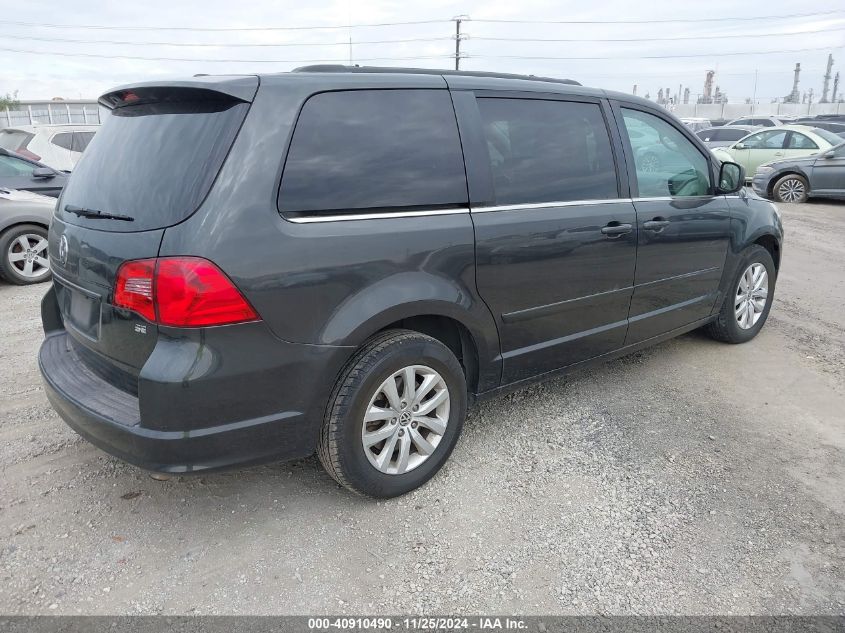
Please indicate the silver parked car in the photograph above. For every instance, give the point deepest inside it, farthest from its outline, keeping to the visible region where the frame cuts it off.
(724, 135)
(820, 175)
(24, 218)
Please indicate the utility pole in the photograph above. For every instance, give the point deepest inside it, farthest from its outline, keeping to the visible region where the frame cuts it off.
(458, 37)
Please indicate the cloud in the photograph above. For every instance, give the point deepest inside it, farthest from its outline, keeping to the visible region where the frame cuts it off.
(51, 70)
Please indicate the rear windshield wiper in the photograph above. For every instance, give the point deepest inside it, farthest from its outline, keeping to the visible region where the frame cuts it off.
(96, 214)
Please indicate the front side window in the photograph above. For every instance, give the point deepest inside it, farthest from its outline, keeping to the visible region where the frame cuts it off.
(801, 141)
(547, 151)
(666, 162)
(773, 139)
(374, 149)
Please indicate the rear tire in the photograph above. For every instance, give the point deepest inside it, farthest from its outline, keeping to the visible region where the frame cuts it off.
(401, 447)
(743, 313)
(23, 255)
(791, 188)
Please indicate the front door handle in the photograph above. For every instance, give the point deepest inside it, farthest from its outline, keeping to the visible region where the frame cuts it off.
(657, 224)
(614, 229)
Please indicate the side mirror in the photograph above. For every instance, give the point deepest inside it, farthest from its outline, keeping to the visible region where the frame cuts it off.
(739, 146)
(43, 172)
(731, 177)
(829, 154)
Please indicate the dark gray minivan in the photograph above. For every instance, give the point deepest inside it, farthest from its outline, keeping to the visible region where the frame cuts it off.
(340, 259)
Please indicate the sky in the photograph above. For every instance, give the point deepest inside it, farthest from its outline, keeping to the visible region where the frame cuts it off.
(48, 48)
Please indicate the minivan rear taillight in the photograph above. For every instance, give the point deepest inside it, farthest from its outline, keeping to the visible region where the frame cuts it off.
(180, 292)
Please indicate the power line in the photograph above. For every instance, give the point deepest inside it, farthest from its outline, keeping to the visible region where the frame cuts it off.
(408, 23)
(218, 45)
(411, 40)
(666, 21)
(227, 61)
(533, 57)
(371, 59)
(106, 27)
(649, 39)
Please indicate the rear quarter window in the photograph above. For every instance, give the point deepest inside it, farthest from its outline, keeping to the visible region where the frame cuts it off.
(63, 140)
(374, 149)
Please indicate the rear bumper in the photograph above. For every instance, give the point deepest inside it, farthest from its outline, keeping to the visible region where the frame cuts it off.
(111, 419)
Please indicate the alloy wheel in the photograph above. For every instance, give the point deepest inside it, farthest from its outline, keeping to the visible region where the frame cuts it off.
(791, 190)
(751, 295)
(405, 419)
(28, 255)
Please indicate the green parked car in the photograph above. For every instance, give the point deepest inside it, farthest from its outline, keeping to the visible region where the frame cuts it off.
(777, 143)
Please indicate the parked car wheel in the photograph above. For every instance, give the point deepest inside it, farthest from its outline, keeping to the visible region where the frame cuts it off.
(746, 308)
(394, 416)
(791, 188)
(23, 255)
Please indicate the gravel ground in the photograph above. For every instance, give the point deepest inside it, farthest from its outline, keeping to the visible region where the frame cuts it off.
(692, 478)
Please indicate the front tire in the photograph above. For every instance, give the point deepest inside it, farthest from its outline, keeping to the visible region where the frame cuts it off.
(394, 415)
(746, 308)
(791, 188)
(23, 255)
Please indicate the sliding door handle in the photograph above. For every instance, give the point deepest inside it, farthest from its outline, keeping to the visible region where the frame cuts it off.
(657, 224)
(614, 229)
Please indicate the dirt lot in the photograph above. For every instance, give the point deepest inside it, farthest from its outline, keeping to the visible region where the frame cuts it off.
(692, 478)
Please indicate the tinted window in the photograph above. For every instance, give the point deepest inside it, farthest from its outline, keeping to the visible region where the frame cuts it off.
(371, 149)
(772, 139)
(11, 166)
(743, 122)
(546, 151)
(667, 163)
(65, 140)
(800, 141)
(706, 135)
(81, 140)
(154, 161)
(731, 135)
(14, 139)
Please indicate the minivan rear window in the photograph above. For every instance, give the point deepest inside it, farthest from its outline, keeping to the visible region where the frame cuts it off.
(154, 162)
(374, 149)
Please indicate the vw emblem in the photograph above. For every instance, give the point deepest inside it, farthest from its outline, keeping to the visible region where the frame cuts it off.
(63, 250)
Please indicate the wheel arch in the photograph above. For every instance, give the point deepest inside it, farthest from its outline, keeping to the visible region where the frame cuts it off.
(453, 334)
(22, 221)
(772, 245)
(794, 171)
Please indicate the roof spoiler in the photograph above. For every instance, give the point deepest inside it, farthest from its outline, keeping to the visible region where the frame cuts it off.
(238, 87)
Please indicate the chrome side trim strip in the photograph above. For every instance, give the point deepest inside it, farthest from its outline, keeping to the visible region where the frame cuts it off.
(668, 198)
(311, 219)
(546, 205)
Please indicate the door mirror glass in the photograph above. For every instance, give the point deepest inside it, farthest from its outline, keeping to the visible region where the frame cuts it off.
(43, 172)
(731, 177)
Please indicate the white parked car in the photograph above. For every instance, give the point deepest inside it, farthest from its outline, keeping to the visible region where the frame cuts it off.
(763, 121)
(59, 146)
(696, 123)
